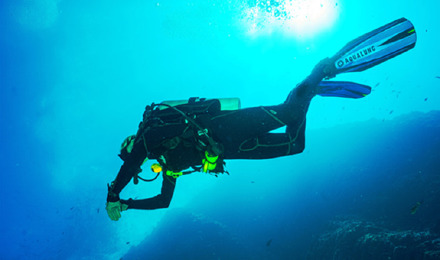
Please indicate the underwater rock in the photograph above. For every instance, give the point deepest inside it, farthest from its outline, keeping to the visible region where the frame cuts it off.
(358, 239)
(186, 235)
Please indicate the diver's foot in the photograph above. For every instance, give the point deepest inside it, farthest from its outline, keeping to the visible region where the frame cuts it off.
(322, 70)
(309, 87)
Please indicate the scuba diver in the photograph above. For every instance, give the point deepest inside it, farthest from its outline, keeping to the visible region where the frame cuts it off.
(201, 134)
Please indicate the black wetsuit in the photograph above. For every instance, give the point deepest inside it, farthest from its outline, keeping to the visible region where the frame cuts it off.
(243, 134)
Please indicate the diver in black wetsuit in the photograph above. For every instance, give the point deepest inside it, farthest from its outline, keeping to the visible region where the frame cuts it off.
(203, 139)
(200, 135)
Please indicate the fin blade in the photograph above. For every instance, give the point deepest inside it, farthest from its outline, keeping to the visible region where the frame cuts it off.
(343, 89)
(376, 47)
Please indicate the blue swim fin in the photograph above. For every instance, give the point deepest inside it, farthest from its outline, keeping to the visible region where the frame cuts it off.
(374, 47)
(343, 89)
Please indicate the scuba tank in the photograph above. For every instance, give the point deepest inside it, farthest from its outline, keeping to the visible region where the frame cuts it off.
(225, 103)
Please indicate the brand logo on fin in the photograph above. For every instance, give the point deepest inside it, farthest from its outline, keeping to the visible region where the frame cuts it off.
(355, 56)
(340, 63)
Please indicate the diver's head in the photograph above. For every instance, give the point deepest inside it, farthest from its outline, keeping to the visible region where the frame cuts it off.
(127, 147)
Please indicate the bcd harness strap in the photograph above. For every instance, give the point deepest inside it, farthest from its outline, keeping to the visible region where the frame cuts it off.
(211, 147)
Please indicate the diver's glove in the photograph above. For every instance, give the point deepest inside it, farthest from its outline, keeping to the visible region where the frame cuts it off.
(114, 209)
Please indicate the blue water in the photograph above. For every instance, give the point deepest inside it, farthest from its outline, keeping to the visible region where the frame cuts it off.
(75, 77)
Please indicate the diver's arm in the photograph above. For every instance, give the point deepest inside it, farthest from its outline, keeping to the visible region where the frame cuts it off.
(158, 202)
(131, 166)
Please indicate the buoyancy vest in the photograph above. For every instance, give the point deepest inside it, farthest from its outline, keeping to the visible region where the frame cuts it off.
(190, 117)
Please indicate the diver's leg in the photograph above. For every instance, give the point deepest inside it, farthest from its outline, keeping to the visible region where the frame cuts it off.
(269, 145)
(245, 133)
(232, 127)
(302, 94)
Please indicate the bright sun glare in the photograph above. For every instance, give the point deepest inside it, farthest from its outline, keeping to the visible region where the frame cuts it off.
(298, 18)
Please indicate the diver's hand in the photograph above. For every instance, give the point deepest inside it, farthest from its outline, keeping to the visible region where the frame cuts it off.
(114, 209)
